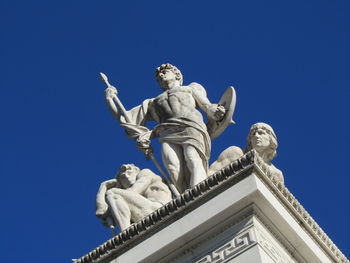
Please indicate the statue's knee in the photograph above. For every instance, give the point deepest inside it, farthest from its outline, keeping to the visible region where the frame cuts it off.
(193, 161)
(192, 156)
(113, 196)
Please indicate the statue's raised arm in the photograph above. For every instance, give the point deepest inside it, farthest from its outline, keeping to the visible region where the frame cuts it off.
(184, 137)
(110, 94)
(213, 111)
(134, 123)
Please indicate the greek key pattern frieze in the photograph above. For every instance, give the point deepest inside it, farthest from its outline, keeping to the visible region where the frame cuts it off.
(229, 249)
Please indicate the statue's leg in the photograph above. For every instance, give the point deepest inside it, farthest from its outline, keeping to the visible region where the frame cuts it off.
(119, 209)
(172, 156)
(138, 206)
(195, 165)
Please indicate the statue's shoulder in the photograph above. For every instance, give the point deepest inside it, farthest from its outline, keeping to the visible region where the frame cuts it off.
(275, 172)
(195, 85)
(148, 101)
(197, 88)
(160, 96)
(147, 173)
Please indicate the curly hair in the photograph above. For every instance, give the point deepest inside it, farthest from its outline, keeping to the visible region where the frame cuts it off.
(177, 72)
(271, 151)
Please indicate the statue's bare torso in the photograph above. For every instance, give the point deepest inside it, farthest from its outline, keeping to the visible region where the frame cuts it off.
(182, 133)
(177, 102)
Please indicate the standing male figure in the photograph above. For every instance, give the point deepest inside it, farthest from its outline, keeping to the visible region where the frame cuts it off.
(182, 133)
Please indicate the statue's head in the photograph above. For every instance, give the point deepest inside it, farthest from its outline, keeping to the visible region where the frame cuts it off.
(263, 139)
(127, 175)
(168, 72)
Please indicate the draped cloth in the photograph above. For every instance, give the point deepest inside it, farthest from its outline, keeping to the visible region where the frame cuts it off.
(180, 131)
(138, 116)
(177, 131)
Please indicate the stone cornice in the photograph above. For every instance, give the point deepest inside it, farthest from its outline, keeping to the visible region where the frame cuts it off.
(196, 196)
(298, 211)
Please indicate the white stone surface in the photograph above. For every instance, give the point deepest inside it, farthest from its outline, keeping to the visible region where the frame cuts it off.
(132, 195)
(183, 135)
(220, 221)
(263, 140)
(227, 216)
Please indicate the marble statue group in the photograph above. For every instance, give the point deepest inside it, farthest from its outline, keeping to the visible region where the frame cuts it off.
(185, 142)
(129, 197)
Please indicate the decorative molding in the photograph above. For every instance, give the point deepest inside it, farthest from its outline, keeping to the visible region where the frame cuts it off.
(246, 238)
(242, 241)
(298, 211)
(277, 254)
(245, 215)
(274, 234)
(201, 193)
(230, 249)
(178, 207)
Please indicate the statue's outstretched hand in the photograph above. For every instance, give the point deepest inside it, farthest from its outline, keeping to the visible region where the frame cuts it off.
(220, 112)
(144, 143)
(110, 92)
(217, 112)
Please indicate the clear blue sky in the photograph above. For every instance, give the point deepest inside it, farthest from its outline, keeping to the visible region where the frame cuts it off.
(288, 60)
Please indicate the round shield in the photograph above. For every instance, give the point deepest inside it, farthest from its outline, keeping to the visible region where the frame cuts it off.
(228, 100)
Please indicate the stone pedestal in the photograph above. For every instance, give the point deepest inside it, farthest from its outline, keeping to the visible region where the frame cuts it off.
(239, 215)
